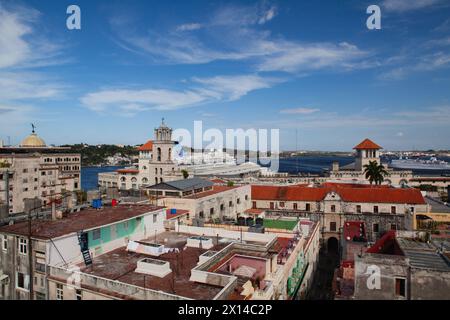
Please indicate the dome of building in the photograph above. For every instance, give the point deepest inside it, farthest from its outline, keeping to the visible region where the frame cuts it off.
(32, 141)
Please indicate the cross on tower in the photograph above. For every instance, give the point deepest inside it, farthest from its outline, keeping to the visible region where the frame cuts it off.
(32, 127)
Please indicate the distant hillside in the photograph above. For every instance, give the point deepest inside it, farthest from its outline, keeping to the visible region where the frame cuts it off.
(96, 155)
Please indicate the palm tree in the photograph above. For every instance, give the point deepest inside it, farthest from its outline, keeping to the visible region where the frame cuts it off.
(375, 172)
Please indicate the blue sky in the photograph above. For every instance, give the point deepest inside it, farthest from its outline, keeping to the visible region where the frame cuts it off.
(310, 67)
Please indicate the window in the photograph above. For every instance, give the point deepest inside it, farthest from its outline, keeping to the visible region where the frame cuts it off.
(400, 287)
(295, 206)
(201, 214)
(238, 201)
(222, 207)
(79, 294)
(375, 209)
(59, 292)
(308, 207)
(22, 281)
(40, 295)
(23, 246)
(393, 209)
(333, 208)
(230, 203)
(96, 234)
(246, 197)
(211, 211)
(393, 226)
(281, 204)
(43, 173)
(159, 154)
(155, 218)
(358, 209)
(39, 261)
(5, 243)
(271, 205)
(375, 227)
(332, 226)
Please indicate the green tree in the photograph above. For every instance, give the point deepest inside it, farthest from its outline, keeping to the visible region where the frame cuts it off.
(375, 172)
(230, 183)
(185, 174)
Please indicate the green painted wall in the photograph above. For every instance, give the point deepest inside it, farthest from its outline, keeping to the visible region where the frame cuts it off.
(115, 231)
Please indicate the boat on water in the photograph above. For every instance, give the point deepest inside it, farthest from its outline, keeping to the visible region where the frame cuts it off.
(420, 164)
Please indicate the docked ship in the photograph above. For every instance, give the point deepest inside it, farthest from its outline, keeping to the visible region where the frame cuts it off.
(213, 162)
(420, 164)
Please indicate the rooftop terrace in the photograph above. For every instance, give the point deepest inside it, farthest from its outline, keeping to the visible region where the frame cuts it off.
(120, 265)
(83, 220)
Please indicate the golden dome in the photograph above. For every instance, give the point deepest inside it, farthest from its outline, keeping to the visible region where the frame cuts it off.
(32, 141)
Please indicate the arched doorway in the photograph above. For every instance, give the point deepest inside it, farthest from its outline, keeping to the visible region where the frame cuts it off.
(332, 245)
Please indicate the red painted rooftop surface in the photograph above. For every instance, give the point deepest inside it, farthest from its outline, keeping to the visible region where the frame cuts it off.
(122, 265)
(179, 213)
(133, 171)
(386, 245)
(148, 146)
(215, 190)
(83, 220)
(367, 144)
(354, 229)
(218, 181)
(373, 194)
(254, 211)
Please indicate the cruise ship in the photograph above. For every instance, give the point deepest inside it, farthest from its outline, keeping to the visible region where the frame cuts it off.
(418, 164)
(213, 162)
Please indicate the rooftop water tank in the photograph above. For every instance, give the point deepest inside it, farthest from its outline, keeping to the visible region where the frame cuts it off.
(97, 203)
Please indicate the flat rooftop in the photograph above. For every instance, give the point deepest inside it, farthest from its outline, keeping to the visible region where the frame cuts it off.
(422, 255)
(83, 220)
(216, 189)
(120, 265)
(437, 206)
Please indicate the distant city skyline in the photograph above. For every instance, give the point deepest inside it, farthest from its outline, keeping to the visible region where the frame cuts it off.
(311, 70)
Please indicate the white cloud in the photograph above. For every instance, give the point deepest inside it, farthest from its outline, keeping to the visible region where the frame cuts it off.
(24, 48)
(27, 85)
(426, 63)
(189, 27)
(268, 15)
(199, 91)
(235, 34)
(234, 87)
(408, 5)
(162, 99)
(299, 111)
(20, 44)
(295, 57)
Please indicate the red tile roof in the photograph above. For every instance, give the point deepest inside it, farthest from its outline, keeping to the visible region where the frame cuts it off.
(367, 144)
(382, 195)
(288, 193)
(373, 194)
(148, 146)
